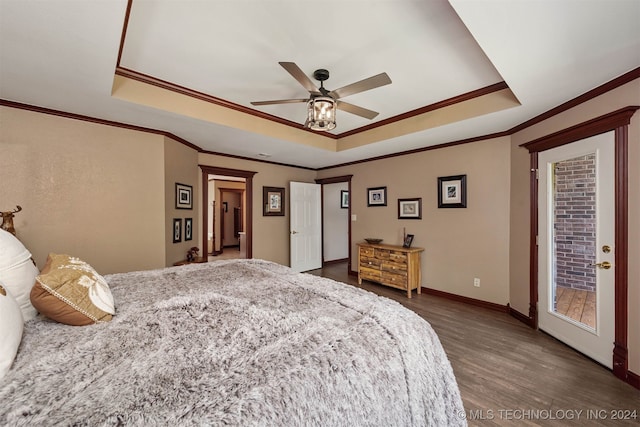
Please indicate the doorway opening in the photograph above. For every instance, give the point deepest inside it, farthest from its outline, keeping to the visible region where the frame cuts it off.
(336, 220)
(227, 219)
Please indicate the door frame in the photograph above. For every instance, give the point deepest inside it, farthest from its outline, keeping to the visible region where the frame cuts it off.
(334, 180)
(248, 176)
(617, 121)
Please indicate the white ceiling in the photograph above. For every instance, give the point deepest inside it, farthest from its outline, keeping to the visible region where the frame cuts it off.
(62, 54)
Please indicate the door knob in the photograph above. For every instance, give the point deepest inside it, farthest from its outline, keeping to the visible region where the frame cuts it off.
(604, 265)
(294, 232)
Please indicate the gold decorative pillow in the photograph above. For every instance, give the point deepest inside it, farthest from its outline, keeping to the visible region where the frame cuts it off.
(70, 291)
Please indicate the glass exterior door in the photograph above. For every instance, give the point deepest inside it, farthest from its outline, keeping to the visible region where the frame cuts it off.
(575, 235)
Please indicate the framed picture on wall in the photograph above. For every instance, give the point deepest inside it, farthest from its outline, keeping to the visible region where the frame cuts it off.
(344, 199)
(377, 196)
(188, 229)
(177, 230)
(410, 208)
(272, 201)
(452, 191)
(184, 196)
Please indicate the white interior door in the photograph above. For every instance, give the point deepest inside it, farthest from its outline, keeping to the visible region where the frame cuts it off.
(305, 229)
(575, 245)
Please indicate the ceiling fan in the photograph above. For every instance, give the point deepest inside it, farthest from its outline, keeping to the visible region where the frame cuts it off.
(322, 104)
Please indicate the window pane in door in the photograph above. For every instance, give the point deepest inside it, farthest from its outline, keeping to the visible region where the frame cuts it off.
(574, 239)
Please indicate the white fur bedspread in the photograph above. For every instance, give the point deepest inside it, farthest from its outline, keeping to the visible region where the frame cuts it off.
(241, 342)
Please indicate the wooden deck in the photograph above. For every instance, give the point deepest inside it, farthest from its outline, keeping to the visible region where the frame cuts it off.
(577, 304)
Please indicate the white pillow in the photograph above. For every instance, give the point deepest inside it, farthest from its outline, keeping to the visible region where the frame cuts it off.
(11, 325)
(17, 272)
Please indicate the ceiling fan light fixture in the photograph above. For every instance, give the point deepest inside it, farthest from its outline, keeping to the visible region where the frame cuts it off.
(321, 113)
(321, 108)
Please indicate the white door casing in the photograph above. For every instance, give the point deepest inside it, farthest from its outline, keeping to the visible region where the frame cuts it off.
(597, 342)
(305, 231)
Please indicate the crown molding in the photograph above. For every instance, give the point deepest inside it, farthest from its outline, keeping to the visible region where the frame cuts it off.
(606, 87)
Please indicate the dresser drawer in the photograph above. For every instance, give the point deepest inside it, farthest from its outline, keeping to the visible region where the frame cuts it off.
(367, 252)
(398, 257)
(382, 254)
(394, 267)
(369, 273)
(370, 261)
(392, 279)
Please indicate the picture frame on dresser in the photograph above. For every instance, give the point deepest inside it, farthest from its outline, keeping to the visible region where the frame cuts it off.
(407, 241)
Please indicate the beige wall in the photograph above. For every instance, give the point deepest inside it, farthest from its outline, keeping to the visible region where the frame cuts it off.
(180, 166)
(461, 244)
(270, 233)
(623, 96)
(92, 191)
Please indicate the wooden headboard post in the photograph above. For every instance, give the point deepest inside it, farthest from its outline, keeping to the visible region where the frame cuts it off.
(7, 220)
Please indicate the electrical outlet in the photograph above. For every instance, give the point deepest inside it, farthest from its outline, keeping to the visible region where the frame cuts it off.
(476, 282)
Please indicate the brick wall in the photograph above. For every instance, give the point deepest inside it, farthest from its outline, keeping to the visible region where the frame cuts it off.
(575, 222)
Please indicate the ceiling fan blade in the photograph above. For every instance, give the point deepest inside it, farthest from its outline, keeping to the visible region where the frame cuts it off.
(279, 101)
(366, 84)
(358, 111)
(300, 76)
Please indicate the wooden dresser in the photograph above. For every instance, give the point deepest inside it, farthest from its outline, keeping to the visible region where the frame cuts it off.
(390, 265)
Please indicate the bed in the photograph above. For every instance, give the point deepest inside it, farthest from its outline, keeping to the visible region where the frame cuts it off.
(236, 342)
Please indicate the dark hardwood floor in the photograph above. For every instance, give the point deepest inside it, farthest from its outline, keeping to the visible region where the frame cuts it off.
(510, 374)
